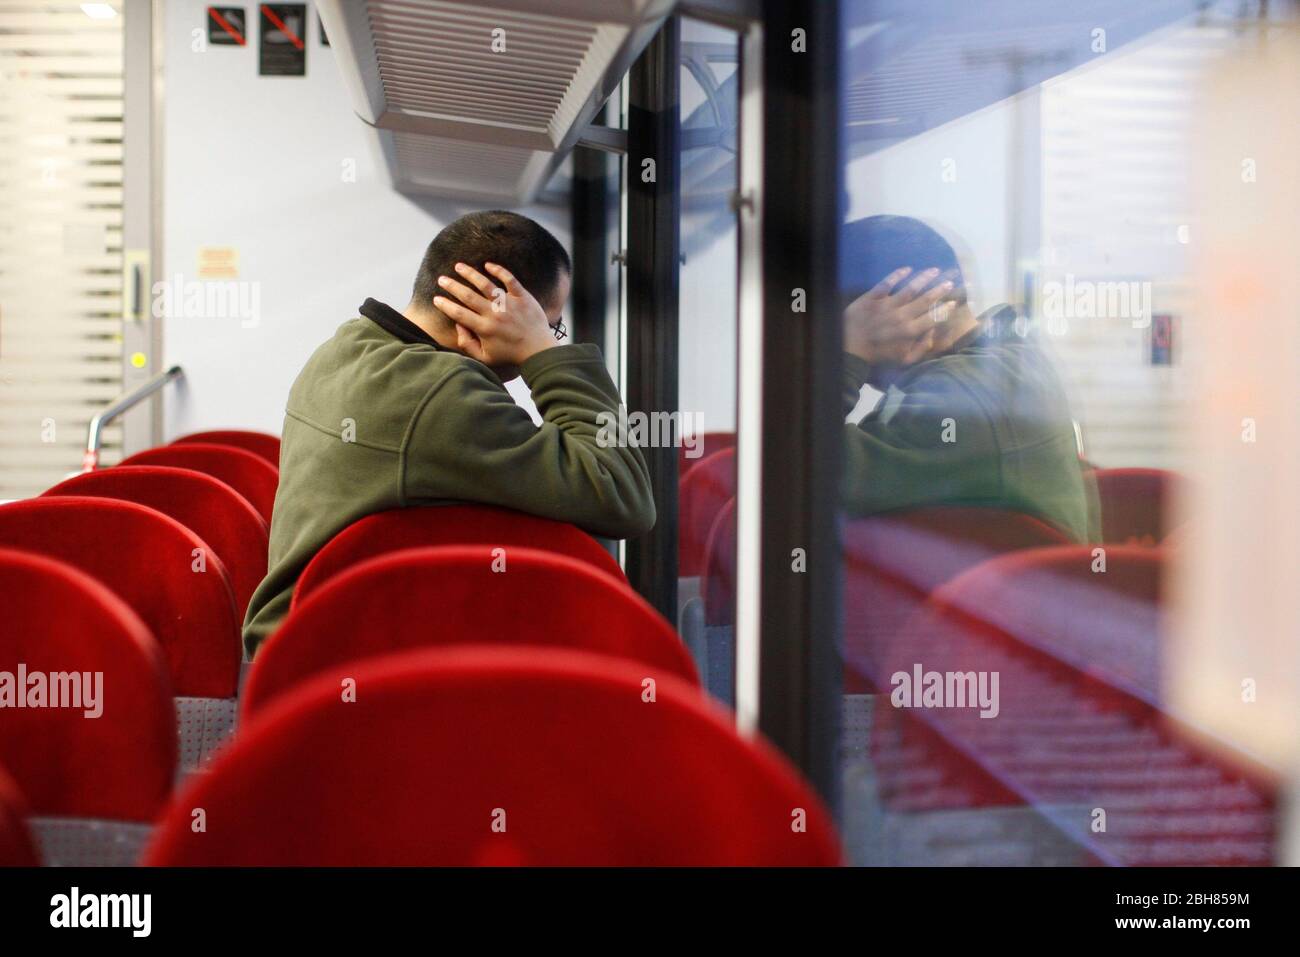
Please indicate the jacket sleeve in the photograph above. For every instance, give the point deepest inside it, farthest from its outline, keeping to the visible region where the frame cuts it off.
(931, 445)
(469, 441)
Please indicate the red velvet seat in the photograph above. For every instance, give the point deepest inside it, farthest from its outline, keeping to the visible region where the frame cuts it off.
(450, 594)
(709, 443)
(208, 507)
(497, 756)
(1138, 506)
(119, 765)
(447, 525)
(147, 559)
(704, 490)
(16, 846)
(248, 474)
(893, 561)
(1079, 718)
(1053, 599)
(259, 443)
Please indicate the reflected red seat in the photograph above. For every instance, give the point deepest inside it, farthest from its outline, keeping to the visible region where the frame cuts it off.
(148, 560)
(248, 474)
(703, 492)
(497, 756)
(208, 507)
(400, 528)
(1079, 719)
(462, 594)
(709, 443)
(259, 443)
(1055, 599)
(17, 849)
(893, 561)
(1138, 506)
(67, 628)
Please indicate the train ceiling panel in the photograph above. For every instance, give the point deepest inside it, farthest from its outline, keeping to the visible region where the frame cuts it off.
(913, 66)
(482, 100)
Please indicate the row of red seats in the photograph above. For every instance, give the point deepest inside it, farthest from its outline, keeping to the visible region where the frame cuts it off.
(1078, 647)
(1139, 506)
(562, 740)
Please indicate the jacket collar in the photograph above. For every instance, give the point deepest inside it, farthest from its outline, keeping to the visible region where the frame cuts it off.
(396, 324)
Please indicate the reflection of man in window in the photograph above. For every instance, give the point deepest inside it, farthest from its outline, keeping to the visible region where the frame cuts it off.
(973, 412)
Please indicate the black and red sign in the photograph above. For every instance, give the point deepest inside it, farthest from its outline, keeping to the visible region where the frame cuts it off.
(282, 50)
(227, 26)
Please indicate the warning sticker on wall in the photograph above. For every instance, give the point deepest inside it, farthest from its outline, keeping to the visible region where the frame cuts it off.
(218, 262)
(227, 26)
(281, 50)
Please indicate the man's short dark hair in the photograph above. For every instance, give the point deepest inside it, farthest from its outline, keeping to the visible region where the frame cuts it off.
(873, 247)
(495, 236)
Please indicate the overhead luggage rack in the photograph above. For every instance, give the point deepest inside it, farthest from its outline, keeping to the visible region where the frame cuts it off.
(483, 100)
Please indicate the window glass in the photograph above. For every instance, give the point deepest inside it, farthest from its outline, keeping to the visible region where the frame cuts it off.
(1029, 190)
(707, 356)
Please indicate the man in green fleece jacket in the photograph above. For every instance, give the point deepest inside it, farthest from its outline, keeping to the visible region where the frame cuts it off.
(973, 412)
(408, 408)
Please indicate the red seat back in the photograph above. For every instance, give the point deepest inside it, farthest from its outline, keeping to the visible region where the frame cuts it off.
(1061, 601)
(704, 490)
(1137, 505)
(462, 594)
(1066, 655)
(148, 560)
(482, 756)
(259, 443)
(709, 443)
(893, 561)
(248, 474)
(17, 849)
(399, 528)
(61, 625)
(206, 506)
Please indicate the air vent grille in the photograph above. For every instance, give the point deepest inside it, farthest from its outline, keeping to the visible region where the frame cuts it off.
(483, 99)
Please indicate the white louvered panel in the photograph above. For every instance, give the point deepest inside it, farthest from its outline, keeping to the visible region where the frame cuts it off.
(81, 86)
(498, 89)
(70, 280)
(38, 151)
(38, 130)
(60, 248)
(436, 59)
(1115, 149)
(54, 111)
(44, 67)
(427, 162)
(52, 395)
(71, 326)
(19, 352)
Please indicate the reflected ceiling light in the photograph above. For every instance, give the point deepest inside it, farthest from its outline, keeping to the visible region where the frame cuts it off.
(99, 11)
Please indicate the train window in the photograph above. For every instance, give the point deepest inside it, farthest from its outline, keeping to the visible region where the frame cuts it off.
(707, 352)
(62, 261)
(1019, 332)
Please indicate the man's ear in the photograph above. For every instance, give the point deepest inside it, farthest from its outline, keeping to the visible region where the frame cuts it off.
(468, 343)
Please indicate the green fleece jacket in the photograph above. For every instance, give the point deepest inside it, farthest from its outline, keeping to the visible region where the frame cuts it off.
(381, 418)
(984, 425)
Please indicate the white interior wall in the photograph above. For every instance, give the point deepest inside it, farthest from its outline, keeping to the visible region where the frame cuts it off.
(258, 164)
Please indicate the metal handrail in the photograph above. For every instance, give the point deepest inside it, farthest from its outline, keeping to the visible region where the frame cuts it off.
(128, 400)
